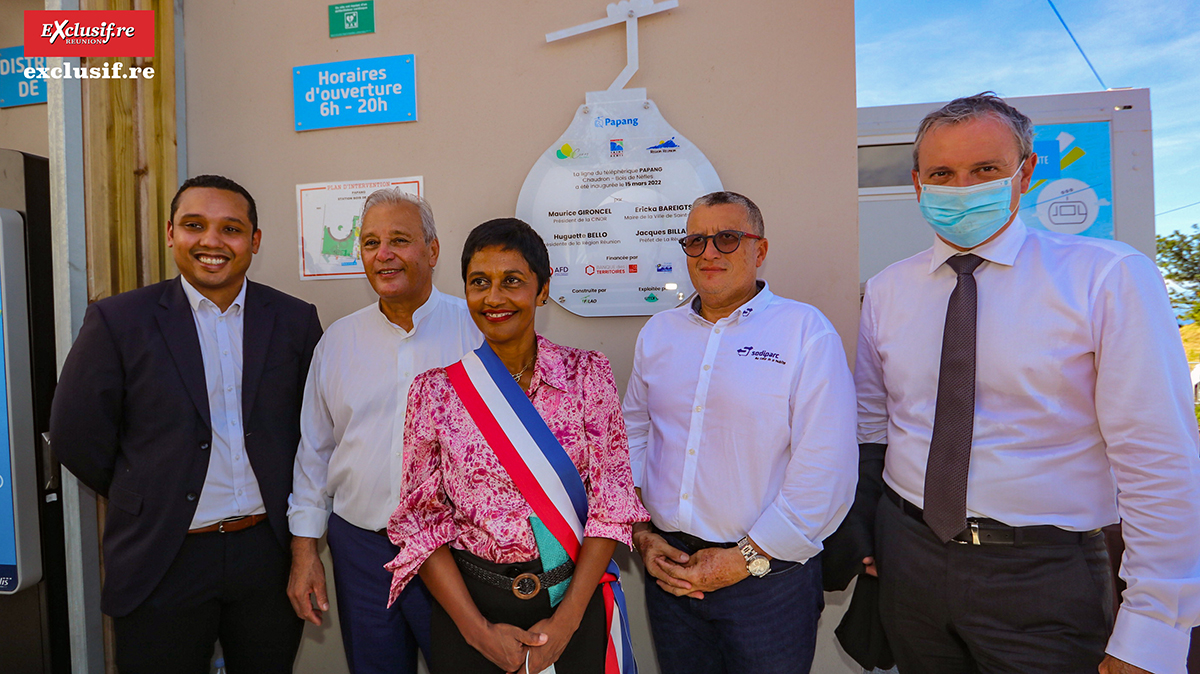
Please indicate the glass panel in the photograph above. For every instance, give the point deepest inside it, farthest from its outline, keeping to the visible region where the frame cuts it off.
(885, 165)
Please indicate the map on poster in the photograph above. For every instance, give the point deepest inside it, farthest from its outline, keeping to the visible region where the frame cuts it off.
(328, 217)
(1071, 191)
(611, 199)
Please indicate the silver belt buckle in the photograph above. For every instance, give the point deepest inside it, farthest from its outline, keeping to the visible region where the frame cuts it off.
(974, 526)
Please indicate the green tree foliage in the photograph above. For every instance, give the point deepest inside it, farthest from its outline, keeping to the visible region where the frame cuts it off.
(1179, 260)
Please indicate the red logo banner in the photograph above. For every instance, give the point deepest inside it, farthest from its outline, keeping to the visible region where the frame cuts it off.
(89, 33)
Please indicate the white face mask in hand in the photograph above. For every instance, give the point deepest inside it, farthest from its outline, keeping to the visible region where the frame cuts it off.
(546, 671)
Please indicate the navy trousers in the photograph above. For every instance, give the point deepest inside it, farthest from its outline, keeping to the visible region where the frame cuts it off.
(378, 639)
(765, 625)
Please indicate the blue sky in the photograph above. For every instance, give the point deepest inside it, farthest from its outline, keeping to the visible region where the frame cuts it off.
(919, 51)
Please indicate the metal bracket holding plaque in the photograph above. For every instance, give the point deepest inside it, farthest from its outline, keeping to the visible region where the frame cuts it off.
(611, 196)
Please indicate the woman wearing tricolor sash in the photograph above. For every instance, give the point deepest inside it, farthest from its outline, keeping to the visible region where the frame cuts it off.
(517, 484)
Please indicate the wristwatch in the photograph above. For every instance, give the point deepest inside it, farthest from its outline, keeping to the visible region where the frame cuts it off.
(756, 564)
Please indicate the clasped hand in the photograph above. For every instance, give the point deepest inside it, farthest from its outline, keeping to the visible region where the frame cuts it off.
(692, 575)
(512, 648)
(506, 645)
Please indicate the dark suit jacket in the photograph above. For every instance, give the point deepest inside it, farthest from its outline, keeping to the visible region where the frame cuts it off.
(130, 419)
(861, 631)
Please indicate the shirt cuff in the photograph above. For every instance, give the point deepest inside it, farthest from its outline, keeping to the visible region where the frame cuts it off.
(621, 533)
(1148, 643)
(306, 521)
(777, 537)
(414, 550)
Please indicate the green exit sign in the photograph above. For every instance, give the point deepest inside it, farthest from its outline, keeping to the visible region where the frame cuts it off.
(352, 18)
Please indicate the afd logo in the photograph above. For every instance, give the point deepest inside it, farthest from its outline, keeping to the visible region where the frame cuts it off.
(560, 271)
(610, 123)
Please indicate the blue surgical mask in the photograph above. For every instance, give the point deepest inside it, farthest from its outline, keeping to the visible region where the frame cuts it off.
(968, 216)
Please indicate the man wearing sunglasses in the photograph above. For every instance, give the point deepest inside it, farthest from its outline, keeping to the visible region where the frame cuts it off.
(741, 415)
(1024, 388)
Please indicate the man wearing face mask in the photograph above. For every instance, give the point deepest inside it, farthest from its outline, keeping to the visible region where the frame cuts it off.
(1025, 389)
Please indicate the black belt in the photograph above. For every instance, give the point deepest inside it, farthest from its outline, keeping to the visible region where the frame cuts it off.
(694, 543)
(984, 531)
(525, 585)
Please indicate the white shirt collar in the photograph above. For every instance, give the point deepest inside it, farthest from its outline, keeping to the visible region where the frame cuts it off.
(1001, 250)
(196, 299)
(435, 296)
(754, 304)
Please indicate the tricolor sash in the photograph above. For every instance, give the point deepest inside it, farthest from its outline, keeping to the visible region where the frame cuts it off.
(543, 473)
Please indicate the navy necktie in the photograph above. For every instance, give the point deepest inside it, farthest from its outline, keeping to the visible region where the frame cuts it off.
(954, 416)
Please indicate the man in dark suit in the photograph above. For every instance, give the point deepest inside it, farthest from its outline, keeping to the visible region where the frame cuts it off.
(180, 402)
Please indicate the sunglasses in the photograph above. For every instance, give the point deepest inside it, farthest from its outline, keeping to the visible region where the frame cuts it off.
(726, 242)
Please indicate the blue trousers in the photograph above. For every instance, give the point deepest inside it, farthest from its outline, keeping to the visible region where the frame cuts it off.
(764, 625)
(378, 639)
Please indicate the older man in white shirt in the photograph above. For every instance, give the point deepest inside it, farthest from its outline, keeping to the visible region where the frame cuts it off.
(1030, 388)
(740, 414)
(348, 465)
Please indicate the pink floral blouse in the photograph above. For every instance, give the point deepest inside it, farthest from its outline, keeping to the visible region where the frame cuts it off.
(456, 491)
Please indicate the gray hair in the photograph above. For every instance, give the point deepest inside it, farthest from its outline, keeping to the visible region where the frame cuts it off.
(986, 104)
(396, 195)
(753, 215)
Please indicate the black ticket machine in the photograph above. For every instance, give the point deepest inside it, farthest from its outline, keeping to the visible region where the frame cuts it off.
(20, 533)
(33, 588)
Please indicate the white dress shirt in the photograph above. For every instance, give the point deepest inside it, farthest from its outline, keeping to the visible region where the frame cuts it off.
(352, 421)
(745, 426)
(1082, 391)
(230, 487)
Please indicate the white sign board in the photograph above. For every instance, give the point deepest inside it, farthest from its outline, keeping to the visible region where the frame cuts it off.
(328, 216)
(611, 199)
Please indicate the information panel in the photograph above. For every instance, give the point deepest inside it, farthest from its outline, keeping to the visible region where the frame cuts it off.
(328, 216)
(15, 88)
(611, 199)
(355, 93)
(1072, 190)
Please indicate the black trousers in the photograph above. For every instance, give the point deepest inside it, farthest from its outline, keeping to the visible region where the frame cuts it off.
(950, 608)
(228, 587)
(452, 654)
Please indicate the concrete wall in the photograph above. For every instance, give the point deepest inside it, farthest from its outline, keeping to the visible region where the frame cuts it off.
(22, 128)
(766, 90)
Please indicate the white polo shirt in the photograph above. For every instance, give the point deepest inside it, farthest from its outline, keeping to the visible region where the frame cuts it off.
(745, 426)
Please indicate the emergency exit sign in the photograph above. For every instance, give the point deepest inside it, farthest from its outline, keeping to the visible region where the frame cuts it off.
(352, 18)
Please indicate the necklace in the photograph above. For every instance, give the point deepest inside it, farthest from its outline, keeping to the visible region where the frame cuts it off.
(517, 376)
